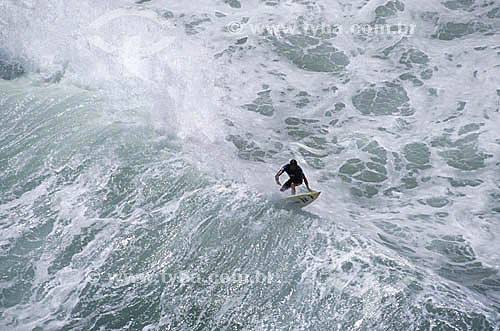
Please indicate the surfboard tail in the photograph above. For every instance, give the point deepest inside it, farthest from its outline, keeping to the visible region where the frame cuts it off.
(303, 199)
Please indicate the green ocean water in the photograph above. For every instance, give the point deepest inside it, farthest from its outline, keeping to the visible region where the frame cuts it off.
(137, 181)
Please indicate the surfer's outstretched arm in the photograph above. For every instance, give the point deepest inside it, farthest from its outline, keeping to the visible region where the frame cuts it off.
(277, 177)
(306, 182)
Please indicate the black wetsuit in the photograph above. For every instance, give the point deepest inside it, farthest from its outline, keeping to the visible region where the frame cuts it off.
(295, 176)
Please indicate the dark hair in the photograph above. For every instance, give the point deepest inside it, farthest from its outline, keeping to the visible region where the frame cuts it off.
(293, 162)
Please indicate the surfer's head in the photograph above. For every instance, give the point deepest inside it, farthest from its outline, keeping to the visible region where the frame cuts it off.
(293, 163)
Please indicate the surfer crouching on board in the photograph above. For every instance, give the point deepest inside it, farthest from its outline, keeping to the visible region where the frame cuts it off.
(296, 176)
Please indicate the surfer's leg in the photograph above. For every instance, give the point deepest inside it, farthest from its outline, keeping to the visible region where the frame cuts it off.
(295, 182)
(286, 186)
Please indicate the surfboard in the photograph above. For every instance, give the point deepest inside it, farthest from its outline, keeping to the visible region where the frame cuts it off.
(303, 199)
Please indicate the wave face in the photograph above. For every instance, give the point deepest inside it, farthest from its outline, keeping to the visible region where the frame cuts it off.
(139, 141)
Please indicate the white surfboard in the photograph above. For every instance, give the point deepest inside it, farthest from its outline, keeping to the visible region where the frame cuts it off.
(303, 199)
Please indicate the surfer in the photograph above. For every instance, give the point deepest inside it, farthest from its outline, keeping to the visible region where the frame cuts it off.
(296, 176)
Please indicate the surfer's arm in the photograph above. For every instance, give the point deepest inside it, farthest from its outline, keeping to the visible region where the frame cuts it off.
(306, 182)
(277, 177)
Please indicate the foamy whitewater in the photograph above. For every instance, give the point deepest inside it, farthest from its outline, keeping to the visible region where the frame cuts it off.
(139, 143)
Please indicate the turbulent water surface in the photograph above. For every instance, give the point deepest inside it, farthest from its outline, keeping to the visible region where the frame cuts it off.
(139, 141)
